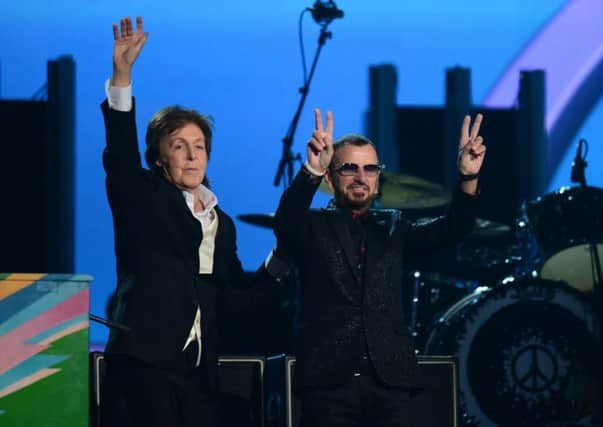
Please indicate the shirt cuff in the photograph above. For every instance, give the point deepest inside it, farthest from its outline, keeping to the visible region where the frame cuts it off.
(276, 267)
(119, 98)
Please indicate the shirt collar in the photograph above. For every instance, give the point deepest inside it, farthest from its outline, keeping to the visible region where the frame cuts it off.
(207, 197)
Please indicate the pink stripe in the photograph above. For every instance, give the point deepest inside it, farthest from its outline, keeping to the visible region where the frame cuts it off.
(17, 353)
(14, 351)
(27, 381)
(65, 332)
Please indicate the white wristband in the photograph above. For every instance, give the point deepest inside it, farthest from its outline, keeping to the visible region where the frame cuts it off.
(312, 170)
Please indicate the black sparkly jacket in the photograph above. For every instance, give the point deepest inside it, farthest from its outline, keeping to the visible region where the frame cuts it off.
(341, 311)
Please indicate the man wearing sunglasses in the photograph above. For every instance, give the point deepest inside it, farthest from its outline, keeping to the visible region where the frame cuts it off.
(355, 365)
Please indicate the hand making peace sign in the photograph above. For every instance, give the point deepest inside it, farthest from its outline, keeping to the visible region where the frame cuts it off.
(471, 148)
(320, 145)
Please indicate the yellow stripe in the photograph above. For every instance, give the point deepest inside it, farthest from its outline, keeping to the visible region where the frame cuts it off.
(15, 282)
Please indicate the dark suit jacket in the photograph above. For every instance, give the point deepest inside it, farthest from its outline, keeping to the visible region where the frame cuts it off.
(339, 307)
(156, 245)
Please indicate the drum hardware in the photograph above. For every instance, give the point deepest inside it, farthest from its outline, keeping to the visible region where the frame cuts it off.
(578, 175)
(414, 309)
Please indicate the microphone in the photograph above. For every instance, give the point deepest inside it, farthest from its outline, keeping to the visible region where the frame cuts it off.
(324, 12)
(578, 166)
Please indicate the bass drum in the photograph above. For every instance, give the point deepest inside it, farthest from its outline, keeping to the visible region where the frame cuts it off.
(526, 352)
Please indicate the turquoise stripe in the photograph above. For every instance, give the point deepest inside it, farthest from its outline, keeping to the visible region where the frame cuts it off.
(55, 277)
(29, 367)
(12, 304)
(58, 328)
(68, 278)
(51, 295)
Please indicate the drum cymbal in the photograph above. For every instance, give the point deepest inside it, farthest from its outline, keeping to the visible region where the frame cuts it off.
(483, 227)
(487, 228)
(410, 192)
(261, 220)
(406, 192)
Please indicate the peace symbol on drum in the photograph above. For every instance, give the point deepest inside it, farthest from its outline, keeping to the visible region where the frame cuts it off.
(535, 368)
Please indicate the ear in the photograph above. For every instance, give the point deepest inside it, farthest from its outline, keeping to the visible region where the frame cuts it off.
(158, 163)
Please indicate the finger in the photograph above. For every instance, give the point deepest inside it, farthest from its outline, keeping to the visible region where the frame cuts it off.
(318, 134)
(476, 125)
(319, 138)
(477, 142)
(476, 153)
(330, 123)
(129, 30)
(122, 24)
(464, 131)
(466, 147)
(115, 32)
(314, 146)
(480, 151)
(141, 41)
(317, 120)
(139, 25)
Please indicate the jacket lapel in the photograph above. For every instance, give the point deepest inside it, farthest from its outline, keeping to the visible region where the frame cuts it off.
(181, 223)
(337, 221)
(377, 233)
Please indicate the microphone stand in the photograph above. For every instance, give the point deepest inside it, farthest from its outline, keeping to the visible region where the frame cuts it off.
(580, 177)
(108, 323)
(288, 158)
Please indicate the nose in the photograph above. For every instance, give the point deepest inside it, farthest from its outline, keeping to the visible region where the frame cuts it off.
(360, 175)
(190, 153)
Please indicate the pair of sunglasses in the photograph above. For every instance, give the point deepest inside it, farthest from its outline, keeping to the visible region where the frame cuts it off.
(350, 169)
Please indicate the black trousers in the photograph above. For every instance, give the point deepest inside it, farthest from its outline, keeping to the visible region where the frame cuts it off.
(363, 401)
(136, 394)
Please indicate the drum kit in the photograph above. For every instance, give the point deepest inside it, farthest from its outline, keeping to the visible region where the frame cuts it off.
(521, 321)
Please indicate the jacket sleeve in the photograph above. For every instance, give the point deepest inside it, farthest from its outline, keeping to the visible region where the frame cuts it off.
(446, 230)
(290, 220)
(121, 158)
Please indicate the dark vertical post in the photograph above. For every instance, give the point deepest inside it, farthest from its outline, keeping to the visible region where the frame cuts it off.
(61, 162)
(381, 127)
(458, 104)
(532, 149)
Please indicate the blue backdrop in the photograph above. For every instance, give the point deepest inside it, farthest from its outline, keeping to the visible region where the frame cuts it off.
(240, 62)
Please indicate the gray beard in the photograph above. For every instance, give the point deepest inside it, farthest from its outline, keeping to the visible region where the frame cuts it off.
(342, 202)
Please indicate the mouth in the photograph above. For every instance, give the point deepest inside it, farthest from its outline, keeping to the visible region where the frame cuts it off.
(358, 190)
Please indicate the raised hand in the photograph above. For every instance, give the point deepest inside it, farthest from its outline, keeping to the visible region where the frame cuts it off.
(126, 48)
(471, 147)
(320, 145)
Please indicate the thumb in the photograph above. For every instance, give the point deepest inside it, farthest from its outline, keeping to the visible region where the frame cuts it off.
(142, 40)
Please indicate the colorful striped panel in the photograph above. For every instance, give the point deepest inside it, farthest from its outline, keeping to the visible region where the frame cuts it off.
(44, 349)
